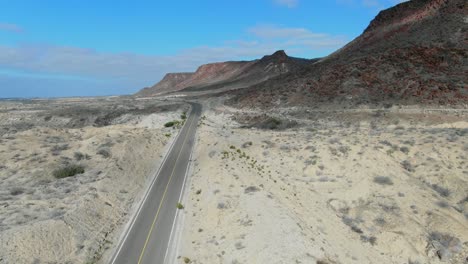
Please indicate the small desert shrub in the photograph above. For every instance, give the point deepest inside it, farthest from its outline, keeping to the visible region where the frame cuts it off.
(442, 204)
(183, 116)
(16, 191)
(390, 208)
(352, 223)
(372, 240)
(186, 260)
(404, 150)
(58, 148)
(344, 149)
(247, 144)
(179, 206)
(380, 221)
(171, 124)
(273, 122)
(441, 190)
(383, 180)
(251, 189)
(68, 171)
(78, 156)
(407, 166)
(104, 153)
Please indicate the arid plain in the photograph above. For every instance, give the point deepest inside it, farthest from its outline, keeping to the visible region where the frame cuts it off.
(331, 186)
(112, 146)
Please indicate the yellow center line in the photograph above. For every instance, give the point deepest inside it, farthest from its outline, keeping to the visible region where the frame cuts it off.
(164, 195)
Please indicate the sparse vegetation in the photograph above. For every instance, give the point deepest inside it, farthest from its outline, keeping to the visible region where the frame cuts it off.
(57, 149)
(404, 150)
(352, 223)
(179, 206)
(251, 189)
(172, 124)
(17, 191)
(68, 171)
(247, 144)
(445, 245)
(383, 180)
(444, 192)
(104, 152)
(372, 239)
(407, 166)
(80, 156)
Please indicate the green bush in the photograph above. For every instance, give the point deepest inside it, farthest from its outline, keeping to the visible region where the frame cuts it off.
(171, 124)
(179, 206)
(68, 171)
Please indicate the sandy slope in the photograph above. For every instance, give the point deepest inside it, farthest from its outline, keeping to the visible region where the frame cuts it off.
(348, 188)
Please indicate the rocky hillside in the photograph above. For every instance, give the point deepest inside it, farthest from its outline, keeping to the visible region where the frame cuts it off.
(228, 75)
(212, 73)
(169, 82)
(415, 52)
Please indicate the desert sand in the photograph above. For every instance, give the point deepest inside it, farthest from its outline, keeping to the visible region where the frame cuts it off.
(354, 186)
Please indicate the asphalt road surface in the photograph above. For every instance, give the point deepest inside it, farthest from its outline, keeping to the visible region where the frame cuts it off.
(147, 239)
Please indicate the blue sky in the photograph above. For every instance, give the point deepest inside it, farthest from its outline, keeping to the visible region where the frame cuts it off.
(86, 48)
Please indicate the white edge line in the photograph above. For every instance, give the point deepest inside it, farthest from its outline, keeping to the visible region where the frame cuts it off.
(156, 176)
(180, 196)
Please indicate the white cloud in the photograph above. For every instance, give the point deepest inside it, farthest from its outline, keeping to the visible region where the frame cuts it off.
(81, 63)
(287, 3)
(10, 28)
(297, 38)
(272, 31)
(376, 4)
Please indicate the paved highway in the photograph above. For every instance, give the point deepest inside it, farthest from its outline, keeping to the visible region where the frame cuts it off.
(148, 237)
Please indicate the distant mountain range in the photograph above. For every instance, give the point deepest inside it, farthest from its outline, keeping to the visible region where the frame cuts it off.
(415, 52)
(227, 75)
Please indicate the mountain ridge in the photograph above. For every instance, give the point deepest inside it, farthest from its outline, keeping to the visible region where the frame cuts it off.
(238, 74)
